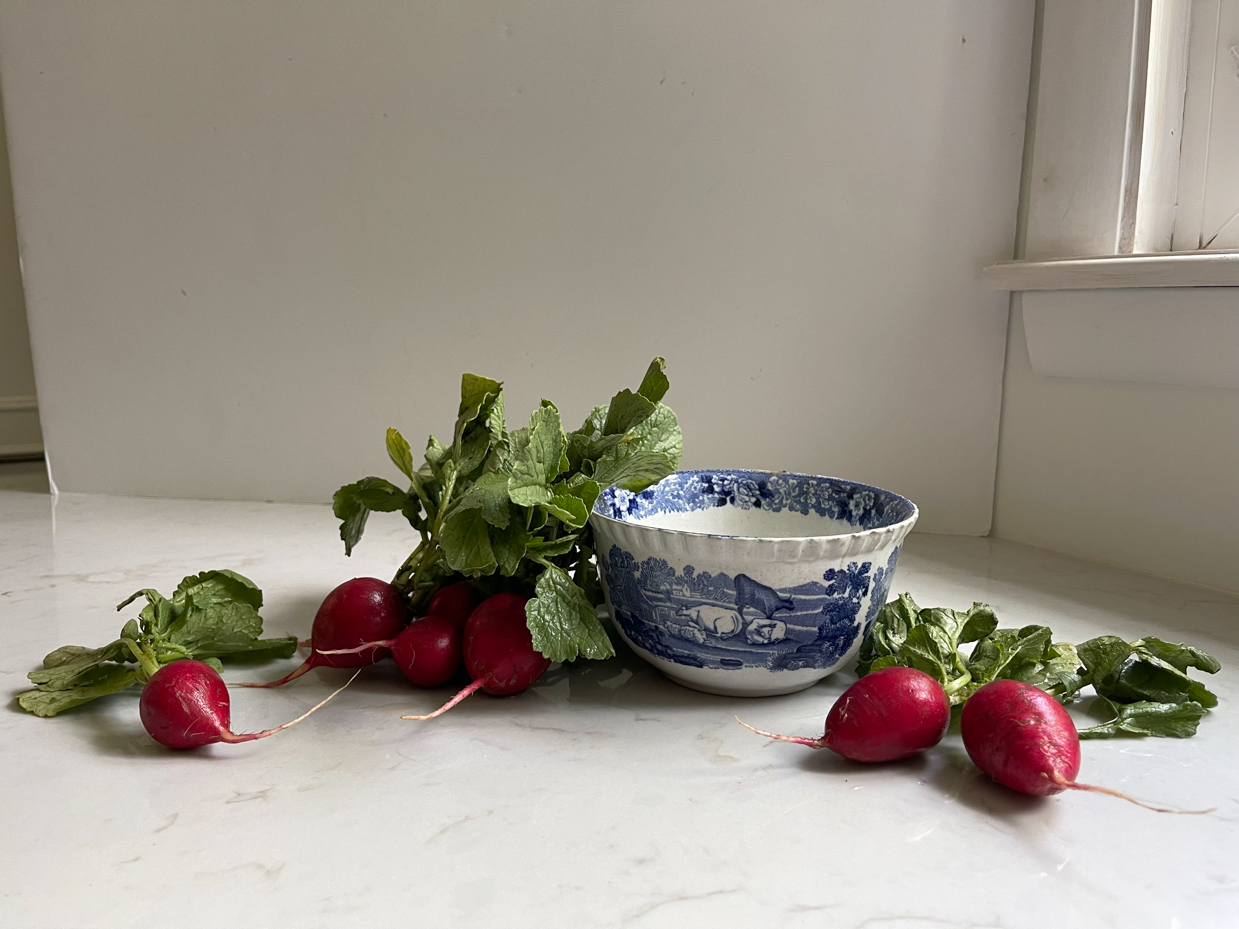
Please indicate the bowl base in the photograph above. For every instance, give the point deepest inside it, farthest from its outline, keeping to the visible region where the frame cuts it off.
(723, 691)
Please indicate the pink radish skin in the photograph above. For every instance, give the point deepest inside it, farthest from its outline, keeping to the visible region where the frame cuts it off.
(359, 612)
(185, 705)
(1023, 738)
(890, 714)
(429, 650)
(499, 653)
(455, 601)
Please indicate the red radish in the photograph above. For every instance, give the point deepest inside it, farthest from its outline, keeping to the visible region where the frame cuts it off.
(1023, 738)
(499, 652)
(456, 602)
(428, 651)
(358, 612)
(890, 714)
(185, 704)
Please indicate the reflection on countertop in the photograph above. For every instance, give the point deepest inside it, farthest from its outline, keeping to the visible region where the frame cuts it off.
(604, 796)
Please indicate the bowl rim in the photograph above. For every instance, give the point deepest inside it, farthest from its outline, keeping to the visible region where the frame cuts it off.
(908, 520)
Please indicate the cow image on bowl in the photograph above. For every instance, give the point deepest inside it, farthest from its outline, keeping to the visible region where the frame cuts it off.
(748, 583)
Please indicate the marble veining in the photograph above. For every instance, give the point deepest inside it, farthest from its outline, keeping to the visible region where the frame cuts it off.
(604, 796)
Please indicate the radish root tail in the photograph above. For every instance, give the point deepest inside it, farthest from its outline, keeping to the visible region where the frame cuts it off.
(471, 689)
(250, 736)
(812, 743)
(382, 643)
(291, 676)
(1093, 788)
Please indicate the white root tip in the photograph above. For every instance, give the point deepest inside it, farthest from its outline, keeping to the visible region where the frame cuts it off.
(799, 740)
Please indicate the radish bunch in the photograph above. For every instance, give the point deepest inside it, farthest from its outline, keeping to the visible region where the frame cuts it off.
(1016, 733)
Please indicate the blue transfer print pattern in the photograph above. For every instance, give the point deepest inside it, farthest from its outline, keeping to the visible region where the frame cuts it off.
(881, 590)
(858, 505)
(717, 621)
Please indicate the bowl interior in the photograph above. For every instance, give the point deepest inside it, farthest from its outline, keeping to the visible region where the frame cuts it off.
(756, 504)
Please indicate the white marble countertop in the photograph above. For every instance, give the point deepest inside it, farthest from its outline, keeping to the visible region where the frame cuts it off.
(605, 796)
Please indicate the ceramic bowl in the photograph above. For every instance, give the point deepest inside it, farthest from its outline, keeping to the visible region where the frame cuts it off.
(748, 583)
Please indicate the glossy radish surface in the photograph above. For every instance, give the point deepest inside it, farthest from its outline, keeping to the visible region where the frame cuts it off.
(498, 651)
(428, 651)
(185, 705)
(359, 611)
(1021, 737)
(890, 714)
(456, 602)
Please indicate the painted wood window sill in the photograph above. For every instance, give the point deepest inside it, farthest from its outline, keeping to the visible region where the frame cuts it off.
(1163, 269)
(1149, 319)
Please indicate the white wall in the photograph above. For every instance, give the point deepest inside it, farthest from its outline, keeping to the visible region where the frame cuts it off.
(257, 234)
(1142, 475)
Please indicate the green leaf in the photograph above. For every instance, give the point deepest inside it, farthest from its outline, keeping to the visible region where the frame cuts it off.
(979, 622)
(352, 503)
(489, 493)
(1181, 656)
(592, 427)
(98, 682)
(929, 649)
(400, 453)
(260, 650)
(465, 539)
(476, 392)
(562, 621)
(1143, 677)
(645, 456)
(209, 587)
(472, 439)
(68, 668)
(537, 458)
(67, 654)
(887, 634)
(627, 410)
(1102, 657)
(219, 629)
(1009, 653)
(436, 453)
(569, 509)
(560, 546)
(947, 620)
(1145, 718)
(508, 544)
(474, 447)
(1060, 674)
(654, 385)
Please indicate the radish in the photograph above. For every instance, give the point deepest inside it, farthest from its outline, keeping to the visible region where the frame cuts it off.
(185, 704)
(456, 602)
(890, 714)
(499, 653)
(1023, 738)
(359, 612)
(428, 651)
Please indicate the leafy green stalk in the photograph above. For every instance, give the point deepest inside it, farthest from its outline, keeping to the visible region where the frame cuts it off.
(210, 616)
(1143, 687)
(510, 509)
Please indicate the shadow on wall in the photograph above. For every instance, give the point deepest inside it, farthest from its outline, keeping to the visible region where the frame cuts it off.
(20, 437)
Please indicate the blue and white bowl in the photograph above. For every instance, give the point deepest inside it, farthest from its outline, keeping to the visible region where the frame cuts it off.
(748, 583)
